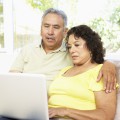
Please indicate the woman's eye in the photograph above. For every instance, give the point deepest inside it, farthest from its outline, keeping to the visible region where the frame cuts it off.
(68, 47)
(77, 45)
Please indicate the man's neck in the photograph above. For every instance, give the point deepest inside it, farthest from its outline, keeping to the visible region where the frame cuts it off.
(49, 49)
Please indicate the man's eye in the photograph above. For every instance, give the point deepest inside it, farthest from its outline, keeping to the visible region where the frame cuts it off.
(46, 26)
(56, 27)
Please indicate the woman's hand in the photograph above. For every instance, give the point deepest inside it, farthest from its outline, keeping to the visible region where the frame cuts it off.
(57, 112)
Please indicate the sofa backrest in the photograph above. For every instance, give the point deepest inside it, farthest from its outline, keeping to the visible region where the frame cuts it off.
(117, 116)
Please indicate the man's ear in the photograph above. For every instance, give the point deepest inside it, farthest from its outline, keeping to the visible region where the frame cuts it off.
(41, 31)
(65, 32)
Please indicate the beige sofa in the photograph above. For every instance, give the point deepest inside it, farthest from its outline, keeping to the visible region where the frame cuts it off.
(117, 116)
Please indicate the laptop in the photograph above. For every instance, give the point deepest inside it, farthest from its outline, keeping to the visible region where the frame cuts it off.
(23, 96)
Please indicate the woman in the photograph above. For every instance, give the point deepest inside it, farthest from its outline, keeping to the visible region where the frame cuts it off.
(74, 93)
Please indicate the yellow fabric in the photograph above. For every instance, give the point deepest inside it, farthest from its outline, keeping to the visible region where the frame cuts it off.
(33, 59)
(77, 91)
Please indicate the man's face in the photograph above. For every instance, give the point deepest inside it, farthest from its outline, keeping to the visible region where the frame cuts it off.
(52, 31)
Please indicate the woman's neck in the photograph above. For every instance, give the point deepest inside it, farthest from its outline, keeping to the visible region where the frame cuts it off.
(78, 69)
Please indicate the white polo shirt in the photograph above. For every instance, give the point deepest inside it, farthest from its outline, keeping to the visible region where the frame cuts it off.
(33, 59)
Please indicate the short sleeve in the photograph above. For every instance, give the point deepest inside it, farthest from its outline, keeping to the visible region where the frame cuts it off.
(22, 57)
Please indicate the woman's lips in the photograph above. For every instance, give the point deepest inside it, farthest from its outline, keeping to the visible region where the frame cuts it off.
(74, 57)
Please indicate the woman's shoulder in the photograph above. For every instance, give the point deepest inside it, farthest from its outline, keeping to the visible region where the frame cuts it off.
(93, 73)
(64, 70)
(93, 84)
(97, 68)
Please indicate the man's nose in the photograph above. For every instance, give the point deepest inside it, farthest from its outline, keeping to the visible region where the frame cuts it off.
(51, 31)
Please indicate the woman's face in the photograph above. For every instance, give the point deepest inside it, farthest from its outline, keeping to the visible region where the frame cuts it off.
(78, 50)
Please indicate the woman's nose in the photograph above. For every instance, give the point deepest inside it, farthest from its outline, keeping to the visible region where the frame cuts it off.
(72, 49)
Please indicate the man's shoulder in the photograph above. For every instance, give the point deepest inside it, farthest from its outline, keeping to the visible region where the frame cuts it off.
(30, 47)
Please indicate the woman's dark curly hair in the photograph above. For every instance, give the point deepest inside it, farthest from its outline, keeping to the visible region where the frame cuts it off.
(93, 41)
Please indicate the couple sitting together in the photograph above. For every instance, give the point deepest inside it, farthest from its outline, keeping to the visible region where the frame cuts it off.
(74, 94)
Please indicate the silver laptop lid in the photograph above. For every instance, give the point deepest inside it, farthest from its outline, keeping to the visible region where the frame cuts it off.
(23, 96)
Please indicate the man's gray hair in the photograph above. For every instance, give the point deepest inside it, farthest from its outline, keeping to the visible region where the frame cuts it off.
(58, 12)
